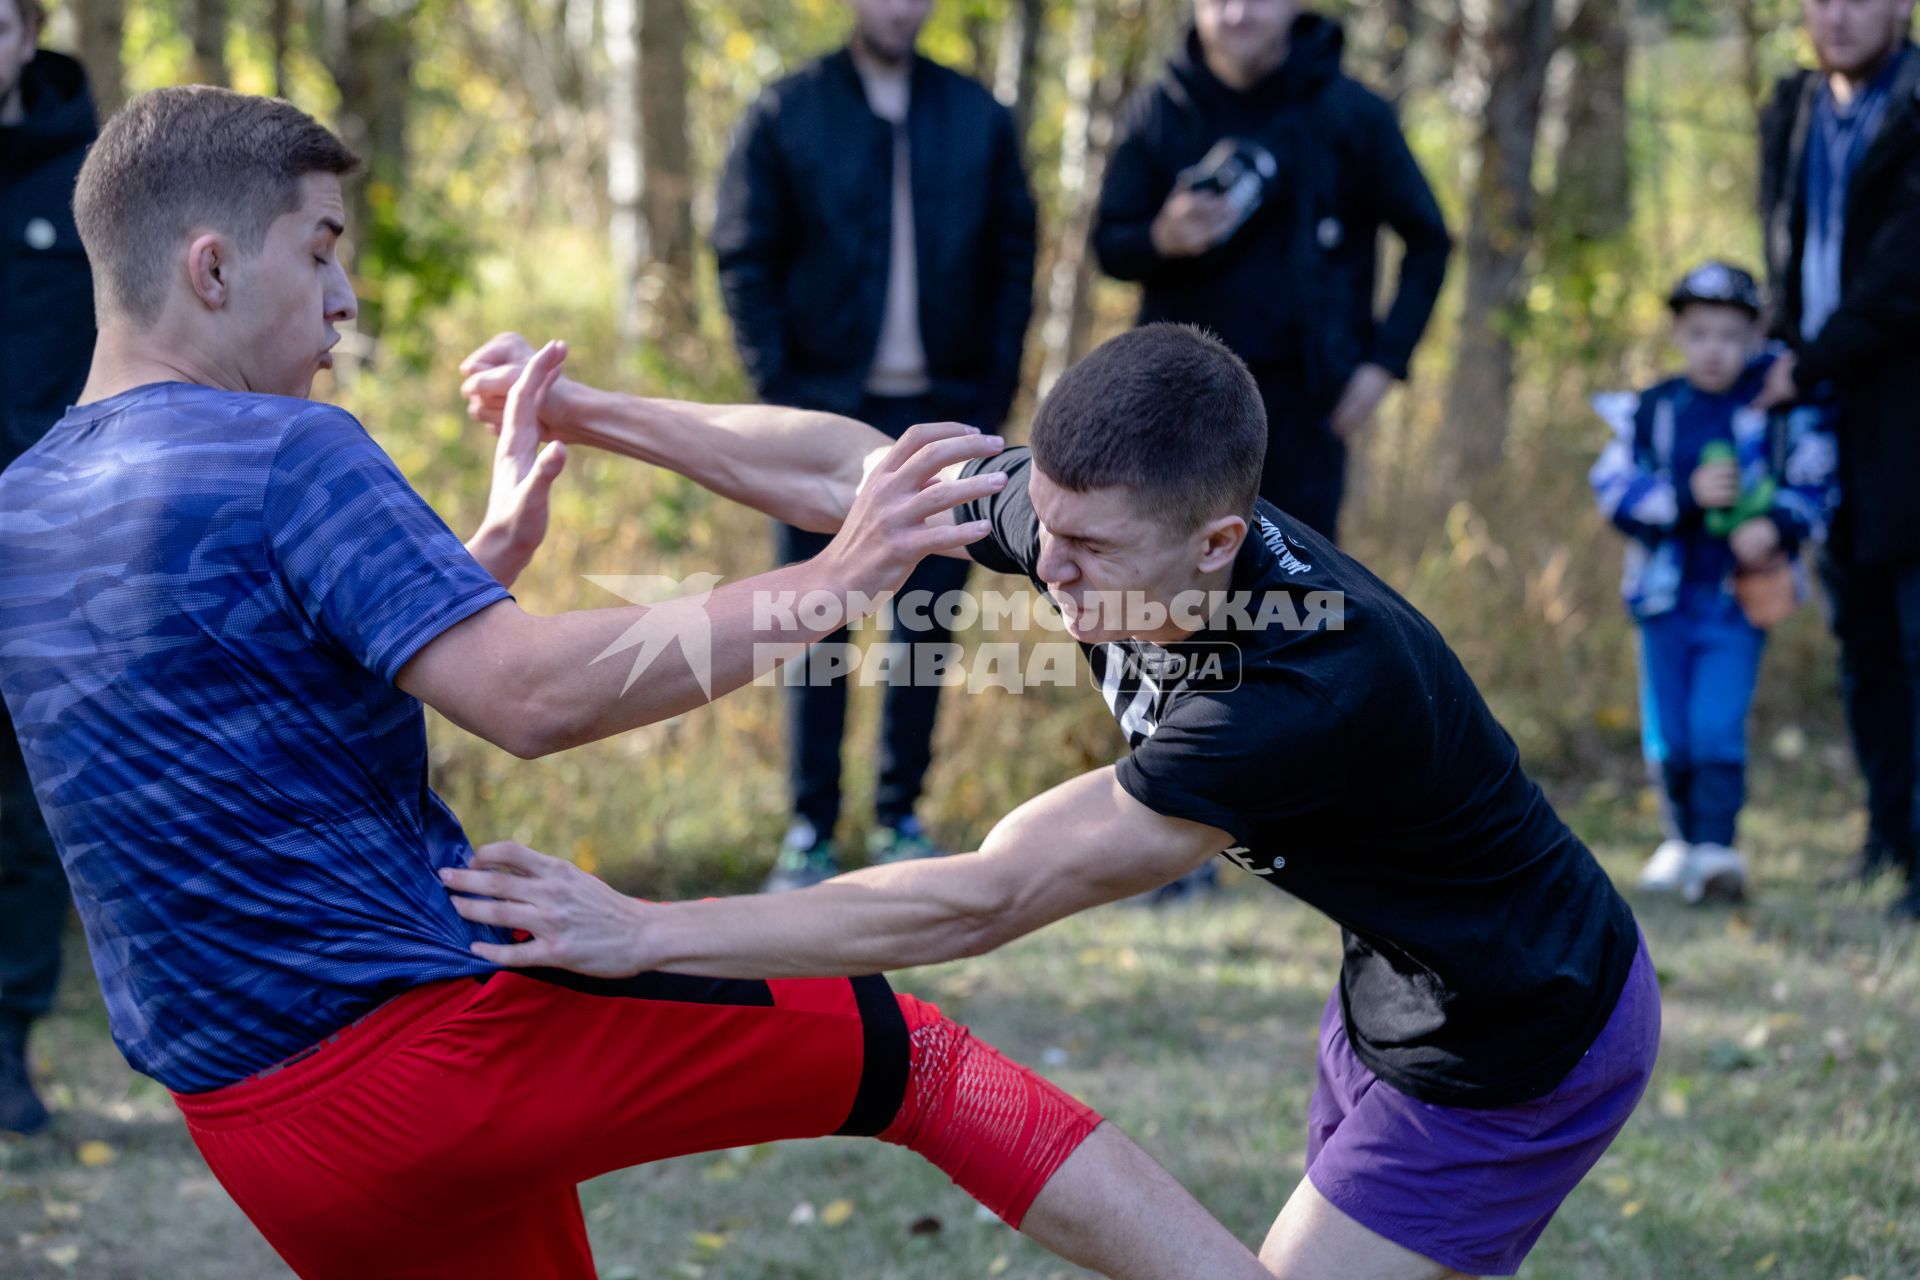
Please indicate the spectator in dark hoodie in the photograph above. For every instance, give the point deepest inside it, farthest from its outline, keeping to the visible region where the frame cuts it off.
(46, 341)
(1840, 200)
(1246, 193)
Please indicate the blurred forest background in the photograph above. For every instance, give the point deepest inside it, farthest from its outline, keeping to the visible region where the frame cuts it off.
(548, 165)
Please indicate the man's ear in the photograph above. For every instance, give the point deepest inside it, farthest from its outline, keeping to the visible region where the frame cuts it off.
(1220, 540)
(208, 262)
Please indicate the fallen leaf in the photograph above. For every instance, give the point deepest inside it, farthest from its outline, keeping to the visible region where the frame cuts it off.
(837, 1213)
(1766, 1264)
(998, 1265)
(802, 1215)
(1632, 1208)
(94, 1153)
(64, 1255)
(927, 1226)
(709, 1242)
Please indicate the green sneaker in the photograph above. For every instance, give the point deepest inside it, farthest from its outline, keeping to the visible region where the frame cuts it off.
(806, 858)
(902, 842)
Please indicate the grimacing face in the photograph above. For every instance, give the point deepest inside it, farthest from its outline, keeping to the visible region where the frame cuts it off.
(1101, 548)
(1852, 37)
(284, 301)
(1716, 342)
(890, 28)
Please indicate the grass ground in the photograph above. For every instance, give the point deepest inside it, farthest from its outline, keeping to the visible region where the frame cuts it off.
(1781, 1134)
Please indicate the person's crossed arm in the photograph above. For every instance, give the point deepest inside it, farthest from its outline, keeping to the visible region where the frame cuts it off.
(534, 685)
(1084, 843)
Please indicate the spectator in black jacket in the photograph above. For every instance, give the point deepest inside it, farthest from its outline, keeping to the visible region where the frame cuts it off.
(46, 342)
(1840, 200)
(1281, 266)
(875, 239)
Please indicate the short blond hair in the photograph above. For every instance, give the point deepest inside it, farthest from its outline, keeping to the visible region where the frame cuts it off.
(196, 158)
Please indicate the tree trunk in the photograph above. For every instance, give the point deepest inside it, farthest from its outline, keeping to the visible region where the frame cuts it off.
(666, 167)
(1516, 44)
(279, 19)
(1092, 104)
(1593, 194)
(370, 56)
(1070, 278)
(1016, 68)
(100, 27)
(1403, 24)
(1753, 29)
(208, 30)
(627, 230)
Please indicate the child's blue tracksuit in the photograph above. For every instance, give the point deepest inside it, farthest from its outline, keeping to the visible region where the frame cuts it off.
(1699, 656)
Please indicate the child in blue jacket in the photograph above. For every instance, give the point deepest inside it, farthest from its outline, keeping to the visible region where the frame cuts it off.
(1713, 496)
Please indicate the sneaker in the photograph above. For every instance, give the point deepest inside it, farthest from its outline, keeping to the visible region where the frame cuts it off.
(903, 841)
(1713, 871)
(21, 1111)
(1662, 872)
(806, 858)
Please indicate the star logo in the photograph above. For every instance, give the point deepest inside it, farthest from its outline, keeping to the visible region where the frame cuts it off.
(676, 616)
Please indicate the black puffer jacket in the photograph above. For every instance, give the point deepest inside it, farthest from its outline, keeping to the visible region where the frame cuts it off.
(1295, 285)
(1870, 348)
(803, 232)
(46, 291)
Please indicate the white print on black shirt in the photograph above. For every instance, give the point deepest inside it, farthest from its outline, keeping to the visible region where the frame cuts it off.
(1243, 858)
(1142, 709)
(1277, 543)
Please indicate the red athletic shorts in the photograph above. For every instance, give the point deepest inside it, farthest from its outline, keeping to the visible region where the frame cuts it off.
(444, 1134)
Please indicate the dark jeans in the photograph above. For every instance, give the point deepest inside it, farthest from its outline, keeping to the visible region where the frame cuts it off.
(1306, 467)
(817, 712)
(33, 897)
(1698, 666)
(1876, 617)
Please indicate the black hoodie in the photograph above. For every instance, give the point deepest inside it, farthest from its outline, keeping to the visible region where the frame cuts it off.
(46, 291)
(1292, 290)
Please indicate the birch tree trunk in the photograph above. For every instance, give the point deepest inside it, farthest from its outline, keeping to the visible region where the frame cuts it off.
(1516, 43)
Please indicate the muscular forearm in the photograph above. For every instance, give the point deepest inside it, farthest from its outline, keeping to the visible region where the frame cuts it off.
(868, 921)
(796, 465)
(537, 685)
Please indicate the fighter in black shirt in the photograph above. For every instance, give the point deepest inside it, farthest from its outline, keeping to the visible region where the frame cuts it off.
(1497, 1015)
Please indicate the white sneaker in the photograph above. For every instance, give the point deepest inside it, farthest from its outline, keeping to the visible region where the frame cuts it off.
(1713, 871)
(1662, 872)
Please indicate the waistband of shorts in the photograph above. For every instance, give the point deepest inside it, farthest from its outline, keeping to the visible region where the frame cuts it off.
(316, 1070)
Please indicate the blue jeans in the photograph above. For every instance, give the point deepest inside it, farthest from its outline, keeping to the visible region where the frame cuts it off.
(1698, 667)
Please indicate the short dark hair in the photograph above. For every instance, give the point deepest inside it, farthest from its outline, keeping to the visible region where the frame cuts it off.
(1165, 410)
(176, 161)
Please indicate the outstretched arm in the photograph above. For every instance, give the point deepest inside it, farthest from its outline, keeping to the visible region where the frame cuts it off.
(1081, 844)
(796, 465)
(536, 685)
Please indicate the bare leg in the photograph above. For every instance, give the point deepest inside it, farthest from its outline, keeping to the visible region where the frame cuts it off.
(1313, 1240)
(1110, 1208)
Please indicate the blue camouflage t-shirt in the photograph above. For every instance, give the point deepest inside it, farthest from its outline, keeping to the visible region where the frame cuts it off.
(204, 598)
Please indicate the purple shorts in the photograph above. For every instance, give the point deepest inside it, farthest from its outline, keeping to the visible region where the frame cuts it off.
(1474, 1188)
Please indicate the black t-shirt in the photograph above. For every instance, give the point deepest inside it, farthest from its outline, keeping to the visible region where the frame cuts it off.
(1347, 751)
